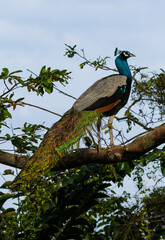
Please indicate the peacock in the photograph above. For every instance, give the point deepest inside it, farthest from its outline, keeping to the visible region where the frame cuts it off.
(104, 98)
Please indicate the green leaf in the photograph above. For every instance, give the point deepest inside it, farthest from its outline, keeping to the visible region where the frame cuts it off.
(48, 90)
(4, 198)
(8, 210)
(18, 71)
(11, 95)
(19, 100)
(49, 80)
(8, 172)
(5, 71)
(21, 81)
(8, 114)
(65, 182)
(8, 136)
(112, 191)
(43, 70)
(7, 184)
(5, 114)
(88, 141)
(163, 167)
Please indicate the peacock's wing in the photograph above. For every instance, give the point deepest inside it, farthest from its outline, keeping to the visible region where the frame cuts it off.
(104, 92)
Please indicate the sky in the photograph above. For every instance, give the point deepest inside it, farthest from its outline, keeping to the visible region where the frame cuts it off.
(33, 33)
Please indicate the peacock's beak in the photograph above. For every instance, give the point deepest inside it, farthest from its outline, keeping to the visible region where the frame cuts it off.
(132, 55)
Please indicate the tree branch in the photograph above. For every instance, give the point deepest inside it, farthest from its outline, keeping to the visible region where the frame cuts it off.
(135, 121)
(119, 153)
(44, 109)
(131, 151)
(13, 160)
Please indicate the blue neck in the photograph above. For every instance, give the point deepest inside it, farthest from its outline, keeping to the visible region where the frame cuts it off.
(123, 68)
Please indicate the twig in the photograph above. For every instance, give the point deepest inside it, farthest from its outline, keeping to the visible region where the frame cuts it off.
(134, 102)
(110, 122)
(9, 90)
(65, 93)
(145, 90)
(92, 65)
(31, 105)
(95, 144)
(32, 72)
(55, 87)
(158, 181)
(6, 85)
(99, 132)
(135, 121)
(140, 134)
(3, 177)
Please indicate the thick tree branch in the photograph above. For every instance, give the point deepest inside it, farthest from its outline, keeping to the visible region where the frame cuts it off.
(13, 160)
(131, 151)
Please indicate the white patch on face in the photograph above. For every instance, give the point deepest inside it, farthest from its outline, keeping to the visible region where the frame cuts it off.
(126, 54)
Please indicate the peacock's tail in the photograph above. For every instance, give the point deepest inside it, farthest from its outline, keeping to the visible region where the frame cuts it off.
(59, 138)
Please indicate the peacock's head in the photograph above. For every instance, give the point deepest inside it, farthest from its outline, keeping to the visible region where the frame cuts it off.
(123, 54)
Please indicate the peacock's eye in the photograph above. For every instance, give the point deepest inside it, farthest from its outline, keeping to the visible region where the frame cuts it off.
(126, 54)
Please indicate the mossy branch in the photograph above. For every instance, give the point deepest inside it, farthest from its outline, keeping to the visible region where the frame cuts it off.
(119, 153)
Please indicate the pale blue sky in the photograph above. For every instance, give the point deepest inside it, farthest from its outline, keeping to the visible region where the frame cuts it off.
(33, 34)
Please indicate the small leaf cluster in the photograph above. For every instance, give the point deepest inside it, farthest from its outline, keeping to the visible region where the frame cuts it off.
(44, 82)
(99, 63)
(70, 51)
(151, 89)
(6, 100)
(27, 139)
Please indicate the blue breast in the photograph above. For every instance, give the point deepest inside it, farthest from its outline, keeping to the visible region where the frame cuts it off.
(123, 68)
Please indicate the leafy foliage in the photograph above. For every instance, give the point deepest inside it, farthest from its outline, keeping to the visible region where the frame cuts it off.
(150, 90)
(81, 203)
(99, 63)
(44, 82)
